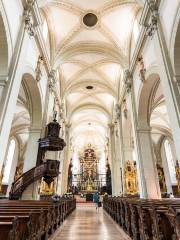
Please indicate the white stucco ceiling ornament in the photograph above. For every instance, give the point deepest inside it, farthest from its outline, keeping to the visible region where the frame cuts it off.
(90, 46)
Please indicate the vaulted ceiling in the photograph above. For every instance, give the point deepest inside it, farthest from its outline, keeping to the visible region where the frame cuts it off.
(90, 43)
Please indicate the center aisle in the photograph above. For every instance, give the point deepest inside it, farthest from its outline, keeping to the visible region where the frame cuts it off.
(85, 224)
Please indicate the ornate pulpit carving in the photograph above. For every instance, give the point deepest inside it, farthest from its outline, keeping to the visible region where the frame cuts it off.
(47, 188)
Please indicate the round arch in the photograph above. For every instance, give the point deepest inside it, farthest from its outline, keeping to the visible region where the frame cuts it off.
(144, 99)
(6, 44)
(174, 45)
(33, 94)
(176, 54)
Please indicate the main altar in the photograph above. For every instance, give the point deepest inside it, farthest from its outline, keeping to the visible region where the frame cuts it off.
(87, 180)
(88, 173)
(89, 177)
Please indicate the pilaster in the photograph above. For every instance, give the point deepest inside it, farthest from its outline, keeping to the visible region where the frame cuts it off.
(65, 161)
(112, 155)
(50, 89)
(146, 169)
(11, 88)
(32, 149)
(170, 87)
(120, 146)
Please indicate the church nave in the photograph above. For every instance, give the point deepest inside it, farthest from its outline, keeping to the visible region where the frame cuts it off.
(86, 224)
(89, 115)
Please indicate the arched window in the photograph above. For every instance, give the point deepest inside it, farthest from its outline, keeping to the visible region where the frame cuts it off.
(10, 155)
(170, 161)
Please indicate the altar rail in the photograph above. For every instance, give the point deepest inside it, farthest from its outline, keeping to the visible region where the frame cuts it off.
(146, 219)
(32, 220)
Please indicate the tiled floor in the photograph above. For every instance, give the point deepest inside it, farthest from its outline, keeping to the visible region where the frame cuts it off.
(85, 224)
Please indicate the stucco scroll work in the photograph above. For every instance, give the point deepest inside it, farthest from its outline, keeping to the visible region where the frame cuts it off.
(151, 27)
(128, 80)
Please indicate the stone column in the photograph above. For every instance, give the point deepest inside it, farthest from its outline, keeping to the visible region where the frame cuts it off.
(115, 161)
(65, 161)
(12, 85)
(112, 151)
(3, 81)
(169, 85)
(121, 150)
(146, 168)
(118, 163)
(31, 192)
(51, 83)
(8, 103)
(59, 188)
(166, 171)
(31, 150)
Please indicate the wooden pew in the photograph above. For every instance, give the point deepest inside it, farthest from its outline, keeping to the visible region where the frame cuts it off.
(146, 219)
(31, 220)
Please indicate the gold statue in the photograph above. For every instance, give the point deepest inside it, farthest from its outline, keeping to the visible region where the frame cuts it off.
(47, 189)
(162, 182)
(1, 178)
(177, 168)
(131, 177)
(19, 171)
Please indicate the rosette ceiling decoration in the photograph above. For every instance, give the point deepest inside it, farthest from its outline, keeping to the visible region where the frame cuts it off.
(90, 44)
